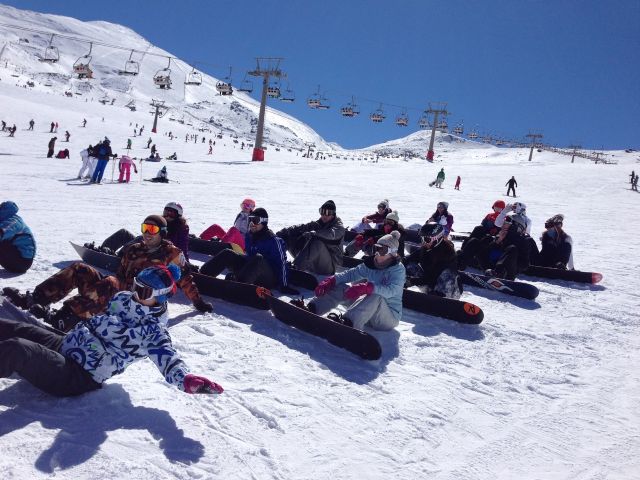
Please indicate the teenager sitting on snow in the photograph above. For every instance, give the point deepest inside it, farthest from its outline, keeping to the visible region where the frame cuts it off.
(133, 328)
(235, 235)
(376, 218)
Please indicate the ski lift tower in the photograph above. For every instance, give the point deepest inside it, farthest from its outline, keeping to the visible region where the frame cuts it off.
(266, 67)
(435, 109)
(575, 149)
(533, 137)
(161, 109)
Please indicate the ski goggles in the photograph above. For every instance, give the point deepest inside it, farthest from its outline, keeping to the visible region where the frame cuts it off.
(170, 212)
(257, 220)
(145, 292)
(150, 228)
(383, 250)
(326, 211)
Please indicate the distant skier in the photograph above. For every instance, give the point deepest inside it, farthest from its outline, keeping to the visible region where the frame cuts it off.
(512, 184)
(56, 129)
(148, 141)
(126, 162)
(52, 127)
(86, 163)
(52, 145)
(128, 144)
(84, 122)
(457, 186)
(632, 177)
(439, 179)
(67, 135)
(635, 184)
(31, 124)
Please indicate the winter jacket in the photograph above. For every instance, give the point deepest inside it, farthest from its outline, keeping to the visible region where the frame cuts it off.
(107, 344)
(489, 223)
(178, 234)
(434, 262)
(103, 151)
(378, 218)
(272, 248)
(331, 234)
(380, 231)
(136, 257)
(445, 219)
(242, 222)
(440, 175)
(387, 282)
(14, 230)
(499, 221)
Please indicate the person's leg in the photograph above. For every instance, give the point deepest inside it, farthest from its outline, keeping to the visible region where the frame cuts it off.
(12, 260)
(257, 270)
(507, 264)
(118, 239)
(372, 310)
(323, 304)
(224, 259)
(214, 230)
(315, 258)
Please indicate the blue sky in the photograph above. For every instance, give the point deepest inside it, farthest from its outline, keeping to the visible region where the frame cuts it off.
(567, 68)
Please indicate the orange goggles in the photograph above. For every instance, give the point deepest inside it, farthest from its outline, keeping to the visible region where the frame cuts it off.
(150, 228)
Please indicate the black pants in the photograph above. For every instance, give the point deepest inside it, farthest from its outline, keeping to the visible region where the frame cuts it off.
(254, 269)
(12, 260)
(511, 189)
(33, 353)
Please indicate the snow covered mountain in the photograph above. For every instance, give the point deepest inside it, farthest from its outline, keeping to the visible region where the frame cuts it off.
(21, 53)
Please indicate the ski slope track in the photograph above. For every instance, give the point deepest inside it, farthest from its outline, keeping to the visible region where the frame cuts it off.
(544, 389)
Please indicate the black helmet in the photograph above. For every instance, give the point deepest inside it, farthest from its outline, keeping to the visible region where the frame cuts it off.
(432, 234)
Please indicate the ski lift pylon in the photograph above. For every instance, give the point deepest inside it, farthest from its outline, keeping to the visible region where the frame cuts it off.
(162, 78)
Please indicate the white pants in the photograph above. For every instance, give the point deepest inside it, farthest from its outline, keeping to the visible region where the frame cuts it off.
(86, 162)
(369, 310)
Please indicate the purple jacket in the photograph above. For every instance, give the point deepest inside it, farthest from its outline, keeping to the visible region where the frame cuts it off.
(179, 236)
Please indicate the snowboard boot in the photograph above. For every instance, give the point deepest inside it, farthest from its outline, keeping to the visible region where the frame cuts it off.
(339, 318)
(21, 300)
(63, 319)
(299, 302)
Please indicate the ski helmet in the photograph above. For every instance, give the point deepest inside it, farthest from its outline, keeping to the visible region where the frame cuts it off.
(499, 204)
(158, 281)
(519, 208)
(174, 206)
(432, 234)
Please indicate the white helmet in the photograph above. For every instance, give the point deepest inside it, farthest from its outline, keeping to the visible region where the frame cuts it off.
(175, 206)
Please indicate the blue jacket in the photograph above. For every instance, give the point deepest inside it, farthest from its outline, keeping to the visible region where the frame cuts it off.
(105, 345)
(387, 282)
(272, 248)
(14, 230)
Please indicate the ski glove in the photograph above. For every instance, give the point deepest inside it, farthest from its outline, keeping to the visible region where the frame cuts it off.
(196, 384)
(308, 235)
(357, 290)
(203, 306)
(325, 286)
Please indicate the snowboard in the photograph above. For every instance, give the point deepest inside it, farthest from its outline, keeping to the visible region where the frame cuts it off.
(355, 341)
(452, 309)
(560, 274)
(233, 292)
(509, 287)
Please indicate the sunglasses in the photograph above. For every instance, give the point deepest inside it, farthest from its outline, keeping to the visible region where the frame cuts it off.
(150, 228)
(257, 220)
(382, 249)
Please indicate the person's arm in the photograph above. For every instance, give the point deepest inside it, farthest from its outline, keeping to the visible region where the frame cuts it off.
(502, 215)
(333, 234)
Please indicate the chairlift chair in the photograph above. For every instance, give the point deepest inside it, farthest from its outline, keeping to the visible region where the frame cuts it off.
(317, 101)
(443, 126)
(402, 120)
(81, 65)
(288, 96)
(424, 121)
(350, 110)
(224, 86)
(378, 115)
(162, 78)
(473, 135)
(246, 85)
(458, 129)
(51, 53)
(131, 67)
(273, 91)
(193, 78)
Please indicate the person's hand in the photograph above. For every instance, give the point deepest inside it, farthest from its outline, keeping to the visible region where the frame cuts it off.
(357, 290)
(202, 306)
(325, 286)
(308, 235)
(196, 384)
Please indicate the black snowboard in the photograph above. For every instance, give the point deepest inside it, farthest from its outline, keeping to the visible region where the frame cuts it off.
(356, 341)
(510, 287)
(234, 292)
(559, 274)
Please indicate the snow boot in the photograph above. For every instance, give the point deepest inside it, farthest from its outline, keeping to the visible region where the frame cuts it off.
(21, 300)
(339, 318)
(63, 319)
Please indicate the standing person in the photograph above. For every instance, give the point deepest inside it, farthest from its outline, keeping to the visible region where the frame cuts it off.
(153, 149)
(52, 127)
(31, 124)
(17, 245)
(235, 235)
(67, 135)
(635, 184)
(12, 130)
(84, 122)
(210, 150)
(56, 129)
(52, 145)
(126, 162)
(95, 289)
(434, 265)
(103, 152)
(86, 162)
(148, 141)
(317, 246)
(457, 186)
(265, 260)
(512, 184)
(632, 177)
(376, 301)
(132, 329)
(442, 217)
(128, 144)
